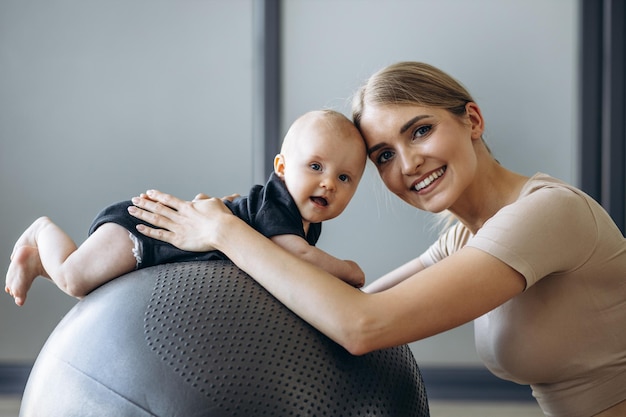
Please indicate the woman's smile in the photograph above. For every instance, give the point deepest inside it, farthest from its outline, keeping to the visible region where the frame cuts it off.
(428, 180)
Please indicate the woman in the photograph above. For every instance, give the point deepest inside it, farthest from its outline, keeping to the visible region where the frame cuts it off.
(538, 265)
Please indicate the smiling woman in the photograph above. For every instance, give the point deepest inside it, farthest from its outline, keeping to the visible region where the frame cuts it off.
(524, 257)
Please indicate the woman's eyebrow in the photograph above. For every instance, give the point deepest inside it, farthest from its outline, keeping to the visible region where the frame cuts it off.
(411, 122)
(375, 148)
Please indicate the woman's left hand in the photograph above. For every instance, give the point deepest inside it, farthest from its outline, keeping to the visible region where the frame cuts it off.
(184, 224)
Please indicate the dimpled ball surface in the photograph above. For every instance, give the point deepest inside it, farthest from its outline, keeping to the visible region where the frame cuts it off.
(204, 339)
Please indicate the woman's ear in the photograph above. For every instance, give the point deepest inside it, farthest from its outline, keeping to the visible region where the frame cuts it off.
(475, 118)
(279, 165)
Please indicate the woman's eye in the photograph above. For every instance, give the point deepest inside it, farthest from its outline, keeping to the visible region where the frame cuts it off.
(421, 131)
(315, 166)
(384, 156)
(344, 178)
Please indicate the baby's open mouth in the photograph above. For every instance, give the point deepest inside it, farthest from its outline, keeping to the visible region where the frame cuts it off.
(320, 201)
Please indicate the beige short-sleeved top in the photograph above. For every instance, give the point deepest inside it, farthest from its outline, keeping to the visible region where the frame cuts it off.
(565, 335)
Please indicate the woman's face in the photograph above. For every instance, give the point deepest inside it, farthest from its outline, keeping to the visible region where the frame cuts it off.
(424, 155)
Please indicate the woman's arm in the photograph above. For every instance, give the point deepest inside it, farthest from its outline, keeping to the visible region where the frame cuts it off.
(395, 277)
(454, 291)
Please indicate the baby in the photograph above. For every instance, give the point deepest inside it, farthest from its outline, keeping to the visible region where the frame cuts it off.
(315, 176)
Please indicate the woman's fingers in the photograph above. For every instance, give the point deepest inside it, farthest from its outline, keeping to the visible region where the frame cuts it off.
(160, 234)
(165, 199)
(230, 197)
(184, 224)
(201, 196)
(155, 214)
(188, 225)
(156, 208)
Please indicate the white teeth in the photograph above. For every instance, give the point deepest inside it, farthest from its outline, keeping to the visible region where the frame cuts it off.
(428, 180)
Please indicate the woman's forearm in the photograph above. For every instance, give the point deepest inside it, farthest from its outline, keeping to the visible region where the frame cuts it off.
(395, 277)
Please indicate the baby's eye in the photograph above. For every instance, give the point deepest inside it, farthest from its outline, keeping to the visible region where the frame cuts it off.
(384, 156)
(344, 178)
(315, 166)
(421, 131)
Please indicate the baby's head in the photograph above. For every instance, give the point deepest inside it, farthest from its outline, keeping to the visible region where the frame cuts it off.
(321, 161)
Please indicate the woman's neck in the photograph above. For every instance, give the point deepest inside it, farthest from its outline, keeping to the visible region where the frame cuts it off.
(494, 187)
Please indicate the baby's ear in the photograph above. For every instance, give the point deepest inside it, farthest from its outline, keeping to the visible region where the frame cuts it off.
(279, 165)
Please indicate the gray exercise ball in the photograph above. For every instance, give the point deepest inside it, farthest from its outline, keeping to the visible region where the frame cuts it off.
(204, 339)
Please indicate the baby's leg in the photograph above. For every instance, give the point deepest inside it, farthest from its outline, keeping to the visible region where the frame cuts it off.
(44, 249)
(106, 254)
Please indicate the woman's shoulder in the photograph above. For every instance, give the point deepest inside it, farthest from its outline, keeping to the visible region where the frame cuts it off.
(554, 194)
(546, 200)
(541, 181)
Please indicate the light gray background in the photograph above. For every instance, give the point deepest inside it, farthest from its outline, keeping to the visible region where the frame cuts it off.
(100, 100)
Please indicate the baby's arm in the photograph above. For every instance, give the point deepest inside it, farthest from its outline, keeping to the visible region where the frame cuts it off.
(346, 270)
(396, 276)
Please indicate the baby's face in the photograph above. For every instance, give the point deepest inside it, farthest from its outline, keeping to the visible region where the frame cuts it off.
(323, 169)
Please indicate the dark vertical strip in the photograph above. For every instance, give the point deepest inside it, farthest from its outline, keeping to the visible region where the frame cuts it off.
(603, 105)
(614, 112)
(268, 88)
(590, 118)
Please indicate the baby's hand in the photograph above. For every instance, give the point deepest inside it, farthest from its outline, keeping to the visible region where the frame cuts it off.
(357, 276)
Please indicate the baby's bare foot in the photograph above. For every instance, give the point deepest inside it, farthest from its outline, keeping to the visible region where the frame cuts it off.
(25, 263)
(23, 269)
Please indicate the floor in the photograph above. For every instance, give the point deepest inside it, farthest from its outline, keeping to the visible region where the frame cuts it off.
(9, 407)
(479, 409)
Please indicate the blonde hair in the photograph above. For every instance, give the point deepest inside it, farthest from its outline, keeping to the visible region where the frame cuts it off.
(413, 83)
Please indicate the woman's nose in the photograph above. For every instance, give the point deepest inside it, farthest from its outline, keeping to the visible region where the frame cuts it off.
(409, 161)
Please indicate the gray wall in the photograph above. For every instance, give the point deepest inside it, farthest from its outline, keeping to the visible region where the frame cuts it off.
(100, 100)
(95, 95)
